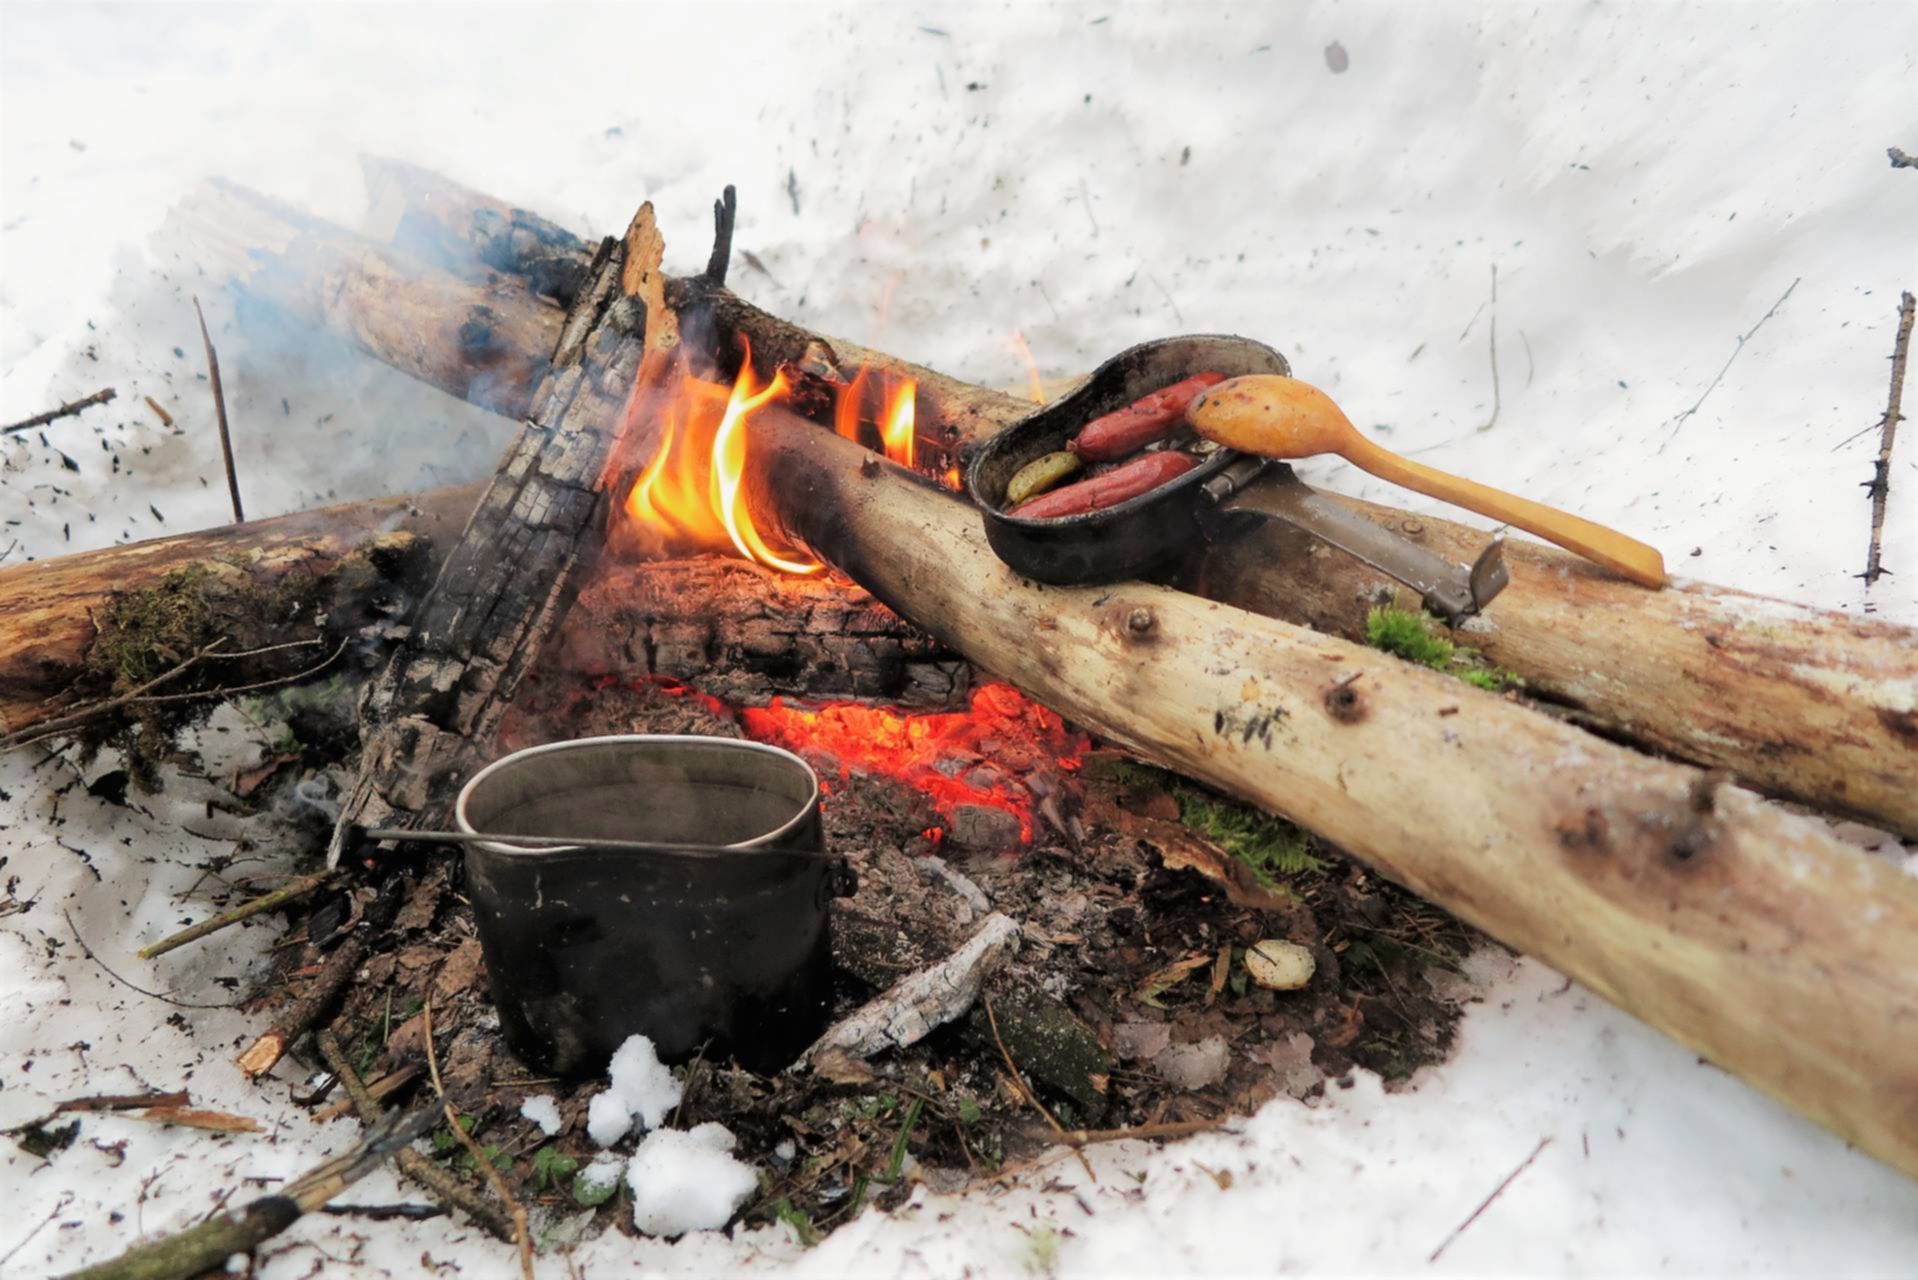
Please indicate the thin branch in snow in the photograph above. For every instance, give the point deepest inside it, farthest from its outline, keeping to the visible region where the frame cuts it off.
(1486, 1203)
(1679, 421)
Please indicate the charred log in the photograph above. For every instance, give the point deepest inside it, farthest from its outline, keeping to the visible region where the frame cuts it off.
(484, 340)
(744, 634)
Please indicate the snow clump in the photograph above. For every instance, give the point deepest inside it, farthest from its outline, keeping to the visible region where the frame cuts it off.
(687, 1181)
(641, 1086)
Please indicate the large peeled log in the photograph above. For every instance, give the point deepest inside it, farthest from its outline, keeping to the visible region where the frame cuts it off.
(1747, 933)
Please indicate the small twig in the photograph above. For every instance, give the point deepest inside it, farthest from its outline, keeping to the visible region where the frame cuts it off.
(725, 211)
(1492, 329)
(209, 1244)
(124, 1101)
(1679, 421)
(1879, 486)
(290, 892)
(66, 410)
(380, 1090)
(219, 415)
(437, 1181)
(1165, 1129)
(62, 725)
(520, 1235)
(265, 1053)
(1900, 159)
(166, 419)
(387, 1212)
(1487, 1202)
(154, 995)
(66, 1198)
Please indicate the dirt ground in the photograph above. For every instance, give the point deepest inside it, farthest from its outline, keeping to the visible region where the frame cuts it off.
(1129, 1003)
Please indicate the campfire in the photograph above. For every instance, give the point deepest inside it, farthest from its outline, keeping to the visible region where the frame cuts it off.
(1127, 855)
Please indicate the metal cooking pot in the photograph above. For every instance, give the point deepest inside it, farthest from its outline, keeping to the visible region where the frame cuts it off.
(710, 929)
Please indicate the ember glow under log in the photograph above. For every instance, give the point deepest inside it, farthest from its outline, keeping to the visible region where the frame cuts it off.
(1748, 934)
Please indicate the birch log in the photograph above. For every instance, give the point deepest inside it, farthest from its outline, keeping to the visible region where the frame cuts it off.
(1749, 934)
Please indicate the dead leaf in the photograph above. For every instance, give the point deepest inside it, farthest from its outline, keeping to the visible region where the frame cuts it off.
(247, 781)
(1169, 977)
(840, 1067)
(1221, 970)
(460, 971)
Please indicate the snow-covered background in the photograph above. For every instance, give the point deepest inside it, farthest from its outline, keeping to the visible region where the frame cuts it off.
(1646, 181)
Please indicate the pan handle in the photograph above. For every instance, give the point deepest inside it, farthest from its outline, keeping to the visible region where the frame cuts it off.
(1270, 491)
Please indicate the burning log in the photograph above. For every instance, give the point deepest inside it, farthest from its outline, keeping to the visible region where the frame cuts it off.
(482, 340)
(1808, 704)
(1726, 923)
(54, 611)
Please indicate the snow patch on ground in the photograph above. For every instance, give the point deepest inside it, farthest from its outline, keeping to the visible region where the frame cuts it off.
(1647, 182)
(687, 1180)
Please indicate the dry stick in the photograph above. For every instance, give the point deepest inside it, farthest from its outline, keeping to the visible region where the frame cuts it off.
(1487, 1202)
(286, 893)
(166, 419)
(1879, 486)
(68, 409)
(124, 1101)
(206, 1246)
(1164, 1129)
(152, 995)
(725, 211)
(520, 1235)
(1680, 420)
(438, 1182)
(380, 1090)
(219, 414)
(265, 1053)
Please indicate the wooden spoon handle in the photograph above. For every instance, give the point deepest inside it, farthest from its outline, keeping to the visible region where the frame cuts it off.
(1609, 547)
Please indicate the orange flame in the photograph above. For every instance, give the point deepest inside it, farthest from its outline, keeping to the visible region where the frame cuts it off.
(1035, 386)
(690, 498)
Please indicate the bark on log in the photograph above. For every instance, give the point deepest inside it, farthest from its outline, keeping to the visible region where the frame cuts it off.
(471, 235)
(48, 607)
(1809, 704)
(486, 341)
(1747, 933)
(745, 634)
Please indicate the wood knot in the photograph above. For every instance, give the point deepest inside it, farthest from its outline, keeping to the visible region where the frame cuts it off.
(1411, 526)
(1140, 621)
(1343, 702)
(869, 467)
(1584, 831)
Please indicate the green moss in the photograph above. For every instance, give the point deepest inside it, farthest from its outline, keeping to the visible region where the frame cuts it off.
(1415, 637)
(1271, 847)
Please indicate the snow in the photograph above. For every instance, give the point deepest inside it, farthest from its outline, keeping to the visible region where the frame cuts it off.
(687, 1180)
(641, 1088)
(542, 1110)
(1648, 183)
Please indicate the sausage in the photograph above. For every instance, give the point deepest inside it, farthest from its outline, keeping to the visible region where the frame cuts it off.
(1040, 475)
(1142, 422)
(1128, 480)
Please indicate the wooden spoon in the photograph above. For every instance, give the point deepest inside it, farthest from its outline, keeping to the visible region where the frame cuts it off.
(1285, 418)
